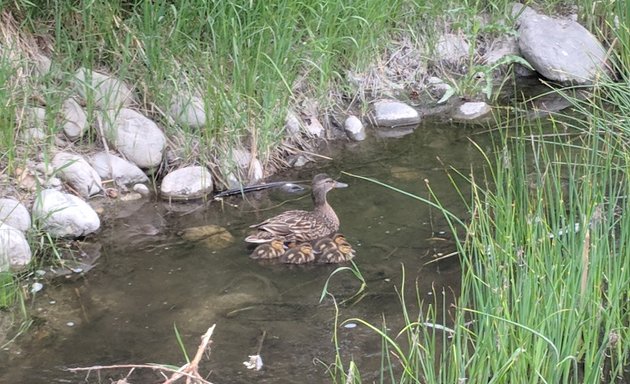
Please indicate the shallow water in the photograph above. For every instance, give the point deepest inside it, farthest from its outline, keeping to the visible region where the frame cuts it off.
(149, 280)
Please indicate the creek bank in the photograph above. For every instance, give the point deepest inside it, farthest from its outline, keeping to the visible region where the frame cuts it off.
(132, 147)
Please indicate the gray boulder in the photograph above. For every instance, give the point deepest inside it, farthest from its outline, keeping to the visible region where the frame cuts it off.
(472, 110)
(560, 50)
(74, 119)
(188, 111)
(187, 183)
(390, 113)
(106, 91)
(74, 170)
(64, 215)
(354, 128)
(451, 49)
(15, 214)
(135, 136)
(112, 167)
(15, 253)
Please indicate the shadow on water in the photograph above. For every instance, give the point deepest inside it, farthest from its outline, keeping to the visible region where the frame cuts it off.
(149, 280)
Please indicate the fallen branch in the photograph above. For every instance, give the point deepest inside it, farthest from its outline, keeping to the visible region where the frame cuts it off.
(188, 370)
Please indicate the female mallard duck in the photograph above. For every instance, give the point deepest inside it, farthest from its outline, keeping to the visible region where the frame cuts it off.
(271, 250)
(333, 250)
(302, 226)
(300, 254)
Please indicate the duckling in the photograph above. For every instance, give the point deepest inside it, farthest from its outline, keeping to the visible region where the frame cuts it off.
(302, 226)
(271, 250)
(334, 250)
(300, 254)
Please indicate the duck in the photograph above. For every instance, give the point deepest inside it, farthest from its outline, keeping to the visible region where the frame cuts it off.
(298, 226)
(300, 254)
(333, 250)
(271, 250)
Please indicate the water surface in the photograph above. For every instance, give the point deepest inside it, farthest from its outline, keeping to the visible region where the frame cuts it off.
(125, 310)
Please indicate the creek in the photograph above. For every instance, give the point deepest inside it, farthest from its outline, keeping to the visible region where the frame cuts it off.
(149, 280)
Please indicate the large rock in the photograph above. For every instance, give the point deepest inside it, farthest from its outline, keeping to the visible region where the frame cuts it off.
(187, 183)
(188, 111)
(106, 91)
(15, 253)
(15, 214)
(451, 49)
(64, 215)
(246, 170)
(472, 110)
(391, 113)
(74, 170)
(35, 123)
(123, 172)
(74, 118)
(135, 136)
(560, 50)
(354, 128)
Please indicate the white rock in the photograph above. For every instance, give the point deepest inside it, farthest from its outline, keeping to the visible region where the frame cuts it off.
(389, 113)
(74, 170)
(314, 127)
(35, 125)
(248, 170)
(472, 110)
(188, 111)
(112, 167)
(560, 50)
(74, 119)
(354, 128)
(41, 64)
(451, 48)
(15, 214)
(106, 91)
(15, 253)
(292, 124)
(135, 136)
(142, 189)
(187, 183)
(64, 215)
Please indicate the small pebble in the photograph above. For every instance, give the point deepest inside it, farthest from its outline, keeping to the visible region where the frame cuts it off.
(70, 323)
(350, 325)
(36, 287)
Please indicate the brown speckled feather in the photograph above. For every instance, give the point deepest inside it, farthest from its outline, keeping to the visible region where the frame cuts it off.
(299, 225)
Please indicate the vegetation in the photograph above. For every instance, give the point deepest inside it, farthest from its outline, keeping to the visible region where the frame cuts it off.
(540, 301)
(545, 288)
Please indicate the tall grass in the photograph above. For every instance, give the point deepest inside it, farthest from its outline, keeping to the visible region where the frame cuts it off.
(545, 286)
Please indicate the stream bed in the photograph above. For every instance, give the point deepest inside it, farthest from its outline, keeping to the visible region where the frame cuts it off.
(149, 281)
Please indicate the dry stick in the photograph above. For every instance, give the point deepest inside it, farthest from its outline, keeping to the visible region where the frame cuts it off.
(585, 260)
(192, 369)
(189, 370)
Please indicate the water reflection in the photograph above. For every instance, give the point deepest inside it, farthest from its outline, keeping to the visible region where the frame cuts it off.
(149, 280)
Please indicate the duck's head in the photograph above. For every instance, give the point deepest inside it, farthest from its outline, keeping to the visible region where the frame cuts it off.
(323, 183)
(305, 248)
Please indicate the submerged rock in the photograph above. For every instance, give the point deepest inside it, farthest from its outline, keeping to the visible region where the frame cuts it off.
(15, 214)
(390, 113)
(64, 215)
(212, 236)
(74, 119)
(354, 128)
(187, 183)
(74, 170)
(135, 136)
(106, 91)
(123, 172)
(560, 50)
(15, 253)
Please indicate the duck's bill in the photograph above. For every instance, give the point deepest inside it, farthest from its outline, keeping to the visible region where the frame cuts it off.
(340, 185)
